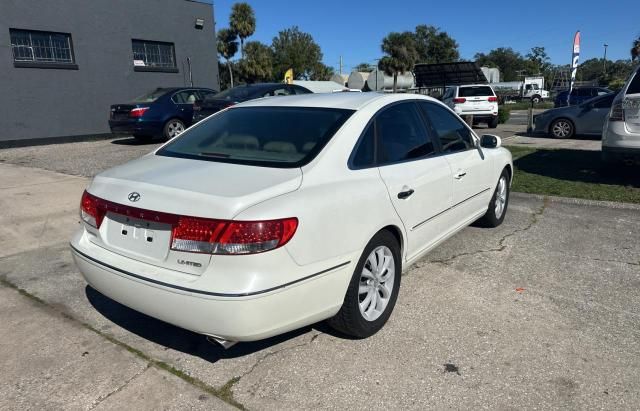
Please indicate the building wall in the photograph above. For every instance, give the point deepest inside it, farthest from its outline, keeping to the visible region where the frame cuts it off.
(41, 103)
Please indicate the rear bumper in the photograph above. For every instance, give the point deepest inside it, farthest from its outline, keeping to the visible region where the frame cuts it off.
(148, 128)
(619, 144)
(234, 317)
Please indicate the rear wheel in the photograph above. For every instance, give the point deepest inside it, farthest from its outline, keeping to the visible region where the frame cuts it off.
(373, 289)
(562, 128)
(173, 128)
(499, 202)
(493, 123)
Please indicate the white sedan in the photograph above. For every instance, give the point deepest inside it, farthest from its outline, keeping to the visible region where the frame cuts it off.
(282, 212)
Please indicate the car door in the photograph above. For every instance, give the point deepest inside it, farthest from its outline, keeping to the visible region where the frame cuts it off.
(417, 178)
(184, 104)
(471, 171)
(595, 113)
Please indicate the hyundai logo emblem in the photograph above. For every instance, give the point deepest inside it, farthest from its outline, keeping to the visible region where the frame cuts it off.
(134, 196)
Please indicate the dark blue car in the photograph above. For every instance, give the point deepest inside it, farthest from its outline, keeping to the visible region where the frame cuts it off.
(164, 112)
(579, 95)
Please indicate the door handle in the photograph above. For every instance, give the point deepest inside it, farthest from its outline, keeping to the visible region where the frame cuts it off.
(459, 175)
(405, 194)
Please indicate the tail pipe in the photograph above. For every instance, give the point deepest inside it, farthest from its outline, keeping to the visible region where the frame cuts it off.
(221, 341)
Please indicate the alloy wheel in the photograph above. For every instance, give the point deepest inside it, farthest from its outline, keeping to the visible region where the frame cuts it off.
(376, 283)
(561, 129)
(501, 197)
(175, 128)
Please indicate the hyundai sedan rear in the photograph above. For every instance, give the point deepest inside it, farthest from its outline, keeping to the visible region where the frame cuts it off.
(279, 213)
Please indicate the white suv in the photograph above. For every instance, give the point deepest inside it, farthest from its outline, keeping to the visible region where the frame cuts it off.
(478, 100)
(621, 131)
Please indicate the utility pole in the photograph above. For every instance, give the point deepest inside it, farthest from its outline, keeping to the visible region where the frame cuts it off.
(340, 65)
(604, 63)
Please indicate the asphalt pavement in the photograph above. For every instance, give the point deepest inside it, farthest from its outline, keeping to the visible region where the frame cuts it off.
(541, 312)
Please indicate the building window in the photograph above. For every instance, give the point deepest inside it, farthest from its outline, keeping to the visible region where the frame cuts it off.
(154, 56)
(42, 49)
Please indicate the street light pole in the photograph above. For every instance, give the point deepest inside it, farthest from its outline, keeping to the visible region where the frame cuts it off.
(604, 63)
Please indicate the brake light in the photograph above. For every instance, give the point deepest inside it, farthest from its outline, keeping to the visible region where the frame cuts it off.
(617, 112)
(199, 235)
(89, 210)
(493, 99)
(459, 100)
(138, 112)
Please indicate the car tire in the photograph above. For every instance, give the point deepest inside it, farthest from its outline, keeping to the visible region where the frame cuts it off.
(499, 202)
(562, 128)
(142, 138)
(173, 128)
(536, 99)
(493, 123)
(359, 316)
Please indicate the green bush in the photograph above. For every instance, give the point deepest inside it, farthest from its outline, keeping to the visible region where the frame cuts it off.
(503, 114)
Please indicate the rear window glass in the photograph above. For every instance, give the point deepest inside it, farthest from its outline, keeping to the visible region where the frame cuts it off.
(240, 93)
(479, 91)
(151, 96)
(634, 87)
(261, 136)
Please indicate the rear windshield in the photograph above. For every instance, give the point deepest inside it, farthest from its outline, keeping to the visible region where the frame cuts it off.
(634, 87)
(283, 137)
(479, 91)
(151, 96)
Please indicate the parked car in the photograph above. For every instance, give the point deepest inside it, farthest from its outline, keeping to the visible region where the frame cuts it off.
(579, 95)
(584, 119)
(163, 112)
(478, 100)
(621, 132)
(212, 104)
(218, 232)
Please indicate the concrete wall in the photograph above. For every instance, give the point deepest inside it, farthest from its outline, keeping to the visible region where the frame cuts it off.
(40, 103)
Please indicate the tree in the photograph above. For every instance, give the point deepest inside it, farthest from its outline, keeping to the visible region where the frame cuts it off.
(539, 58)
(401, 54)
(297, 50)
(635, 49)
(435, 46)
(321, 72)
(243, 22)
(510, 62)
(364, 67)
(257, 64)
(227, 48)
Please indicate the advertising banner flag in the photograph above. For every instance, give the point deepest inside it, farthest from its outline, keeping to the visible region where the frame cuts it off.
(574, 63)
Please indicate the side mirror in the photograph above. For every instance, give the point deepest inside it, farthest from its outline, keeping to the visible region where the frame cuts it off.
(490, 141)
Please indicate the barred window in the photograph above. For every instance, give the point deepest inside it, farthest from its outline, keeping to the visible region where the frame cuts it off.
(153, 54)
(31, 46)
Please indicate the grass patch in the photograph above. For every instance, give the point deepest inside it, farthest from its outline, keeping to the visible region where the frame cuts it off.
(573, 173)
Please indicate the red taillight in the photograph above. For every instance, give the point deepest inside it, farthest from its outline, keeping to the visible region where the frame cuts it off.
(199, 235)
(138, 112)
(493, 99)
(617, 112)
(89, 210)
(459, 100)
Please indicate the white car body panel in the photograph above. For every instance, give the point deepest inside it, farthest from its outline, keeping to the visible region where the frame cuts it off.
(249, 297)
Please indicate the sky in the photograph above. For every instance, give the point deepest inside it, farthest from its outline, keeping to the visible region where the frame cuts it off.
(354, 29)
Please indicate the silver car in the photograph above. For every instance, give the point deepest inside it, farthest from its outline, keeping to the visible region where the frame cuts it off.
(583, 119)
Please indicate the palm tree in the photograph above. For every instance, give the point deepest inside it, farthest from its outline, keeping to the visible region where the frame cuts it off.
(242, 21)
(257, 65)
(227, 47)
(635, 50)
(401, 55)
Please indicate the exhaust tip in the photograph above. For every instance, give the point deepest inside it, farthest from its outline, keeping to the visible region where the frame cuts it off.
(226, 344)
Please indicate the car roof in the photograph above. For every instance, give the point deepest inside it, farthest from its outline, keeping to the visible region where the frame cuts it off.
(342, 100)
(474, 85)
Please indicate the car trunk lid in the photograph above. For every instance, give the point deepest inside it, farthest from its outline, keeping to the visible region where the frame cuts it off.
(156, 190)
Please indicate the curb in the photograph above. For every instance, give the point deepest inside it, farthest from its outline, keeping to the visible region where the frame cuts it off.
(578, 201)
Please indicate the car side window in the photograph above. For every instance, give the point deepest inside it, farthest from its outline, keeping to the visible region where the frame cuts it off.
(401, 134)
(299, 90)
(453, 134)
(284, 91)
(185, 97)
(365, 150)
(204, 94)
(605, 102)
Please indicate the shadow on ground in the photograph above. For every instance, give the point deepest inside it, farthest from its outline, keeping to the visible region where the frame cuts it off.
(548, 136)
(182, 340)
(132, 141)
(577, 165)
